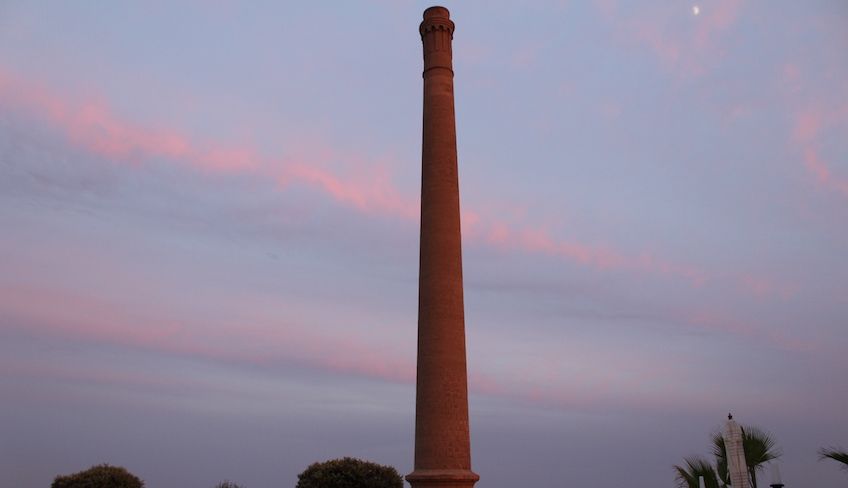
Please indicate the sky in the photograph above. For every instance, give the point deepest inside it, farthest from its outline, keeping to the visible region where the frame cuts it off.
(209, 235)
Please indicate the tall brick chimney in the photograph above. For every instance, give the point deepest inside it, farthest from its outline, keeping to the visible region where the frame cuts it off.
(442, 443)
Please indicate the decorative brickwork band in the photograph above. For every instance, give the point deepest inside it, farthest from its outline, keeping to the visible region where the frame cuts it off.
(442, 441)
(436, 35)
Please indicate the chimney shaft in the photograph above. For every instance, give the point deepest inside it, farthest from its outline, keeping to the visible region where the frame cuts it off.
(442, 443)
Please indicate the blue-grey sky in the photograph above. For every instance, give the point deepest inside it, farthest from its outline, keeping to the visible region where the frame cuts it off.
(208, 231)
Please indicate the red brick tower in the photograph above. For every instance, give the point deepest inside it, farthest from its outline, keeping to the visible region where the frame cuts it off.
(442, 444)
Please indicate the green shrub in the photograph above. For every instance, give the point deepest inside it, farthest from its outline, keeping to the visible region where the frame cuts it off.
(349, 473)
(101, 476)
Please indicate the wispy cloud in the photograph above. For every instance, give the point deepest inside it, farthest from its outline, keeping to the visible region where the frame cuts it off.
(806, 135)
(369, 188)
(267, 343)
(552, 377)
(93, 126)
(681, 40)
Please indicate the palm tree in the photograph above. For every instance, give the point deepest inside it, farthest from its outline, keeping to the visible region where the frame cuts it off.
(694, 468)
(759, 447)
(721, 458)
(835, 454)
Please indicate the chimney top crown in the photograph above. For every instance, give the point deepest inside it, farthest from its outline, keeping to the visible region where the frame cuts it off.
(436, 12)
(436, 19)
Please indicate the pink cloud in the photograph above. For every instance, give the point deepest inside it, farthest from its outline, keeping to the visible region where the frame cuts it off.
(368, 188)
(818, 118)
(224, 159)
(715, 17)
(766, 288)
(718, 322)
(504, 236)
(94, 127)
(807, 126)
(499, 235)
(76, 316)
(806, 136)
(374, 193)
(683, 42)
(652, 35)
(547, 379)
(16, 92)
(818, 168)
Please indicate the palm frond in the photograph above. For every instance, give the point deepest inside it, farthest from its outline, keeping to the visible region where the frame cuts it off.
(721, 457)
(693, 468)
(760, 447)
(838, 455)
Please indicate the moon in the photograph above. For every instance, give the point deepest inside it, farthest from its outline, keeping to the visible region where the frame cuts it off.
(696, 10)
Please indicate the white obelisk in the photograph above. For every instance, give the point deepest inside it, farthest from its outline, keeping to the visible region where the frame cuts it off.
(736, 465)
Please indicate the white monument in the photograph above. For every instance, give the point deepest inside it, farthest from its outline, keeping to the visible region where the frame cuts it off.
(733, 447)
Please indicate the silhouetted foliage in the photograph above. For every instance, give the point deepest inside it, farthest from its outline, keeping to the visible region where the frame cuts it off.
(839, 455)
(227, 484)
(349, 473)
(101, 476)
(694, 468)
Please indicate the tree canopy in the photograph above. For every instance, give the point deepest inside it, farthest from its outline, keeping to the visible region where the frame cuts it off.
(100, 476)
(349, 473)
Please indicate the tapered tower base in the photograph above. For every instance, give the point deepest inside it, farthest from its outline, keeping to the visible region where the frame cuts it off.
(442, 478)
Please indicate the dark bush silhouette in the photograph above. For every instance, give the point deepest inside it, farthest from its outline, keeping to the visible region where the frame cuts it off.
(349, 473)
(227, 484)
(101, 476)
